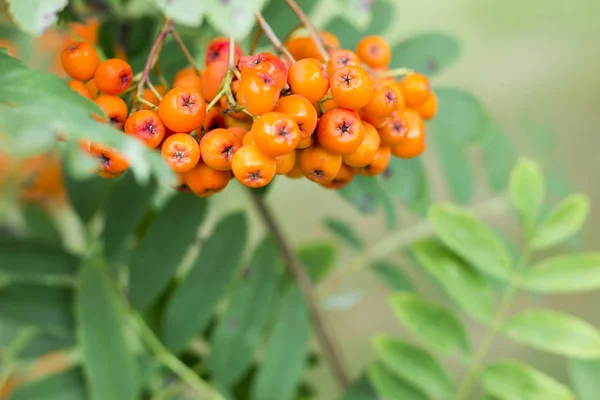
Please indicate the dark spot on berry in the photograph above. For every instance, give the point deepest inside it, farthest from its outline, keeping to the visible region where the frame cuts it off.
(346, 79)
(254, 176)
(104, 160)
(344, 128)
(228, 152)
(179, 155)
(124, 78)
(344, 61)
(114, 121)
(319, 173)
(390, 96)
(187, 101)
(73, 47)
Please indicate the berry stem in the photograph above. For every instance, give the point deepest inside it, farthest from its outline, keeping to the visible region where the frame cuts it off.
(275, 42)
(231, 58)
(312, 31)
(396, 72)
(154, 90)
(185, 50)
(146, 102)
(298, 273)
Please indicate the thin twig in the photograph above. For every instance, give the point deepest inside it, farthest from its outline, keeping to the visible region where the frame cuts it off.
(146, 102)
(299, 275)
(185, 51)
(275, 42)
(154, 90)
(231, 58)
(312, 31)
(255, 39)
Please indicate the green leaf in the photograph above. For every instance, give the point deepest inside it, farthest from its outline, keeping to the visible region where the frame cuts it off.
(88, 196)
(392, 276)
(458, 279)
(455, 163)
(361, 389)
(285, 358)
(554, 332)
(35, 16)
(584, 377)
(473, 241)
(513, 380)
(234, 17)
(184, 12)
(565, 274)
(161, 251)
(428, 53)
(68, 385)
(39, 224)
(367, 194)
(318, 259)
(125, 206)
(282, 19)
(345, 232)
(205, 283)
(527, 191)
(40, 306)
(41, 342)
(564, 221)
(461, 116)
(34, 262)
(406, 179)
(389, 386)
(109, 364)
(434, 325)
(498, 157)
(239, 331)
(414, 365)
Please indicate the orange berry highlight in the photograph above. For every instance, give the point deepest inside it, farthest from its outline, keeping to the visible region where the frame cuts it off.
(252, 168)
(80, 61)
(275, 134)
(113, 76)
(340, 131)
(114, 108)
(181, 152)
(182, 109)
(320, 165)
(351, 87)
(217, 148)
(146, 126)
(308, 78)
(374, 51)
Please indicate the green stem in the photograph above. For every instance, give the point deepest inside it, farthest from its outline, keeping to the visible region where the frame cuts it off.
(146, 102)
(396, 72)
(11, 353)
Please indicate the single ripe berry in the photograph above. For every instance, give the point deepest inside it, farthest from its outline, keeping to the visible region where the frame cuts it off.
(182, 109)
(382, 102)
(79, 88)
(415, 89)
(395, 86)
(114, 108)
(300, 110)
(341, 58)
(285, 163)
(188, 80)
(414, 142)
(367, 149)
(306, 143)
(374, 51)
(428, 109)
(113, 76)
(213, 120)
(343, 177)
(340, 131)
(379, 163)
(275, 134)
(248, 138)
(218, 50)
(351, 87)
(181, 152)
(217, 148)
(297, 46)
(266, 62)
(211, 79)
(238, 132)
(252, 168)
(330, 41)
(296, 171)
(149, 96)
(308, 78)
(319, 165)
(258, 92)
(187, 71)
(146, 126)
(395, 129)
(204, 181)
(112, 163)
(80, 61)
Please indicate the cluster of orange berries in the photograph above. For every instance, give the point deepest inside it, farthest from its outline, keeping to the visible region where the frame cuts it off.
(325, 120)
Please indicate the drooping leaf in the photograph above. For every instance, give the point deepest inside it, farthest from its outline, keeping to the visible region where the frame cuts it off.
(459, 280)
(345, 232)
(39, 224)
(285, 357)
(527, 191)
(468, 237)
(234, 17)
(67, 385)
(565, 274)
(414, 365)
(554, 332)
(361, 389)
(427, 53)
(169, 236)
(351, 27)
(434, 325)
(406, 179)
(239, 331)
(513, 380)
(498, 157)
(109, 363)
(205, 283)
(389, 386)
(87, 196)
(392, 276)
(184, 12)
(318, 259)
(35, 16)
(584, 377)
(564, 221)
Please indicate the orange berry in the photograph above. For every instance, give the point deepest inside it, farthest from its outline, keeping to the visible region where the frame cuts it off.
(79, 88)
(414, 142)
(231, 122)
(351, 87)
(303, 144)
(395, 86)
(374, 51)
(308, 78)
(149, 95)
(113, 76)
(340, 131)
(367, 149)
(297, 46)
(395, 129)
(80, 61)
(92, 88)
(343, 177)
(275, 134)
(248, 138)
(217, 148)
(379, 163)
(238, 132)
(146, 126)
(114, 108)
(112, 163)
(213, 120)
(428, 109)
(341, 58)
(182, 109)
(204, 181)
(192, 80)
(185, 72)
(218, 50)
(211, 79)
(181, 152)
(300, 110)
(330, 41)
(320, 165)
(258, 92)
(327, 105)
(415, 89)
(382, 102)
(285, 163)
(296, 171)
(266, 62)
(252, 168)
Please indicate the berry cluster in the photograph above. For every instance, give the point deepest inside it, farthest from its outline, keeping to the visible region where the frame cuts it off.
(323, 116)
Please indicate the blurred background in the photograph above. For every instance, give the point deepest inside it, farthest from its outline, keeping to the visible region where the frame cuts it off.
(533, 64)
